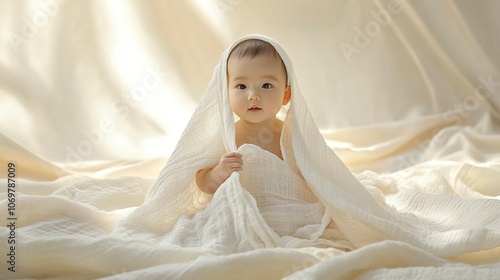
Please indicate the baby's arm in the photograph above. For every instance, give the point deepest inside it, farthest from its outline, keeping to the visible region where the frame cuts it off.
(210, 179)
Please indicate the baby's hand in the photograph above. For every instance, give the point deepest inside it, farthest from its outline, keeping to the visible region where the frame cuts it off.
(229, 163)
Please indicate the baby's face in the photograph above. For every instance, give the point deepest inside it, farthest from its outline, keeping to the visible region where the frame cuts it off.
(256, 87)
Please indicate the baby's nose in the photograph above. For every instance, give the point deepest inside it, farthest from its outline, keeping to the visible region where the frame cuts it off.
(253, 97)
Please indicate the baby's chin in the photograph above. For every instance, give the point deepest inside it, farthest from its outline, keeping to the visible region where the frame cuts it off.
(260, 121)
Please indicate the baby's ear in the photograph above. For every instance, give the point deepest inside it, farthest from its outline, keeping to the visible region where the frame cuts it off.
(287, 96)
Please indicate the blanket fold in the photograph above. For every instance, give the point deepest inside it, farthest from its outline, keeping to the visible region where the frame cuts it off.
(306, 216)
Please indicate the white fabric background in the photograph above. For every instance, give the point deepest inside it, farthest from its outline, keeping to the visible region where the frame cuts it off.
(95, 94)
(68, 66)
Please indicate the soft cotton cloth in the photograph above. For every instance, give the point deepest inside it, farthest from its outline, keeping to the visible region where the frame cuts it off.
(251, 214)
(306, 216)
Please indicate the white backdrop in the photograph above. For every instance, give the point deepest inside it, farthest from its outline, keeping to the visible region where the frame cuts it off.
(94, 95)
(84, 80)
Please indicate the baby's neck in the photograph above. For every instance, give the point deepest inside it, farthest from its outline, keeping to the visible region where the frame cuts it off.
(274, 125)
(266, 135)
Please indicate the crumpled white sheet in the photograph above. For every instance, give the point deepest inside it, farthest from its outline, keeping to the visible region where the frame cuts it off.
(433, 219)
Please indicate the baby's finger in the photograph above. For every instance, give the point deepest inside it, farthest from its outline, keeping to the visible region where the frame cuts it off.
(234, 154)
(237, 168)
(236, 164)
(235, 160)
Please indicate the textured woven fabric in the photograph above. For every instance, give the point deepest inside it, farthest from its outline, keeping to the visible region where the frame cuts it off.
(300, 200)
(304, 217)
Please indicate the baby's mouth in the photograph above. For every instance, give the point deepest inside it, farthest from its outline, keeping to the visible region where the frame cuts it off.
(254, 109)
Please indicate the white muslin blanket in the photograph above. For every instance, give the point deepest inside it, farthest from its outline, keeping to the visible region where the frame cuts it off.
(304, 217)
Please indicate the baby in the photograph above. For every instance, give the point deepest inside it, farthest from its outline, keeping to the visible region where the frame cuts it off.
(267, 203)
(257, 86)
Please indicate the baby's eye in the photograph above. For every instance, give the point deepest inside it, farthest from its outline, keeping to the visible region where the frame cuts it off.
(241, 86)
(267, 86)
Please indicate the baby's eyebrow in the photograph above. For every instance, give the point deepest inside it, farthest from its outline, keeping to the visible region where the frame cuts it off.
(271, 77)
(238, 78)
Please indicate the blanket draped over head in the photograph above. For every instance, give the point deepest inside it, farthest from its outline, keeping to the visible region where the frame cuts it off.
(308, 199)
(305, 216)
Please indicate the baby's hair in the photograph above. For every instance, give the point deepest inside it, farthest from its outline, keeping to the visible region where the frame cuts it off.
(254, 47)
